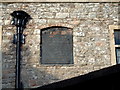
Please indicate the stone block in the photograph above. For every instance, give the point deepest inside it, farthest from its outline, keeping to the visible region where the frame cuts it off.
(79, 34)
(48, 15)
(40, 21)
(62, 15)
(1, 22)
(53, 21)
(36, 31)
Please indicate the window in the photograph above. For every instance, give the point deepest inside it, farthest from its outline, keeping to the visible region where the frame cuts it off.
(115, 44)
(117, 37)
(56, 45)
(118, 55)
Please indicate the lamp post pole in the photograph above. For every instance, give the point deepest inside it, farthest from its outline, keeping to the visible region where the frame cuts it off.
(18, 58)
(20, 19)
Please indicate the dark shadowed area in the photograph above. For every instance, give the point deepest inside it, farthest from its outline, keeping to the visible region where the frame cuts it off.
(104, 79)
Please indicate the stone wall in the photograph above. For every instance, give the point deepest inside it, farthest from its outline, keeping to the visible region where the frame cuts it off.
(59, 1)
(91, 41)
(0, 54)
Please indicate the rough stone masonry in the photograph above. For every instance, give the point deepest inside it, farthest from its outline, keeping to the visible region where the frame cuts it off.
(91, 41)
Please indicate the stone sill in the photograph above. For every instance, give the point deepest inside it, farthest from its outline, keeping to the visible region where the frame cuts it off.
(5, 1)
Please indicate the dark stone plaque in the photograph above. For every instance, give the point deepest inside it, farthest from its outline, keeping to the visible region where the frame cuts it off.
(57, 46)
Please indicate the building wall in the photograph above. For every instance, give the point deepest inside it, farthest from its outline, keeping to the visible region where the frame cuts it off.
(91, 41)
(59, 1)
(0, 48)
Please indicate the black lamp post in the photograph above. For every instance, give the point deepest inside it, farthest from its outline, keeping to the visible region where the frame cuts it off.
(20, 19)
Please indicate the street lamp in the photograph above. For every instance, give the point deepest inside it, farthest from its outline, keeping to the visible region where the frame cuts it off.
(20, 19)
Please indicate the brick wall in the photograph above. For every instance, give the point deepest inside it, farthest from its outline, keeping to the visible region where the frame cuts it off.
(91, 41)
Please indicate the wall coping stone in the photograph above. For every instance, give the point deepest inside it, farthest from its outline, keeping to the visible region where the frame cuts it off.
(4, 1)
